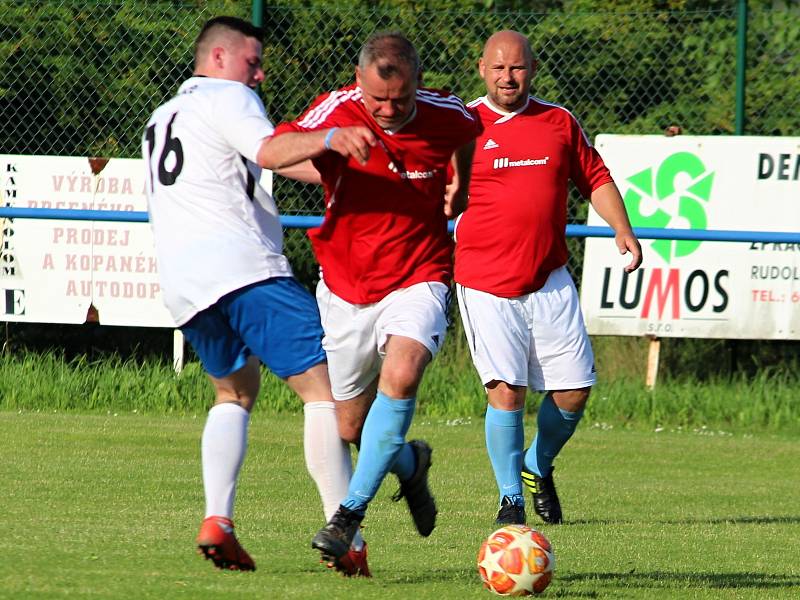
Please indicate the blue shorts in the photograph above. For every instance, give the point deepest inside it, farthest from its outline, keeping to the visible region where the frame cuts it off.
(277, 320)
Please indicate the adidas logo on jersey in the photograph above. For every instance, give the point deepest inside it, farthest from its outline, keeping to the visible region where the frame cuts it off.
(490, 144)
(504, 163)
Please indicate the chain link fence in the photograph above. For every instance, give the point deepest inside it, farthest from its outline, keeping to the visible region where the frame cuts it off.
(81, 78)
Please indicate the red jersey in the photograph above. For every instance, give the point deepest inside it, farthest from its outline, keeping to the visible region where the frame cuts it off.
(384, 226)
(512, 234)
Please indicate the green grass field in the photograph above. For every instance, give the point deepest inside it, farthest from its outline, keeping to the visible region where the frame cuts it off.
(107, 506)
(47, 381)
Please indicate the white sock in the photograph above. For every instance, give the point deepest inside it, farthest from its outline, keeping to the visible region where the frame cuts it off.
(327, 458)
(223, 447)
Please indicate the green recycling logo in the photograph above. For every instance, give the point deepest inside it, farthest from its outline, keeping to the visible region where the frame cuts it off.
(679, 190)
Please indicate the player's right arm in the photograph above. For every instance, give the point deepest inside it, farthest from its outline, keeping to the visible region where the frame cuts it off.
(280, 151)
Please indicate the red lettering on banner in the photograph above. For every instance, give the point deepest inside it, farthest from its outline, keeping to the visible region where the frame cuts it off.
(114, 289)
(86, 236)
(110, 263)
(663, 292)
(85, 288)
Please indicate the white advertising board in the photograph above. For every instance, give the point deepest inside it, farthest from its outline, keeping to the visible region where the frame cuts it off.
(52, 271)
(745, 290)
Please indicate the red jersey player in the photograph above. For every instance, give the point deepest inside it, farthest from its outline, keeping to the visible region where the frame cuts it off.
(385, 259)
(518, 303)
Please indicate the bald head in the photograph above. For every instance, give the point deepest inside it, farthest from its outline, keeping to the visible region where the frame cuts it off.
(507, 67)
(508, 39)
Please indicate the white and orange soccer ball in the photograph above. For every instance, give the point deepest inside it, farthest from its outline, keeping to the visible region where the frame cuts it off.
(516, 561)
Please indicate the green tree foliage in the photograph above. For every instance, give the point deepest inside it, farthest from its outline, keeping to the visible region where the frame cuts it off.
(80, 78)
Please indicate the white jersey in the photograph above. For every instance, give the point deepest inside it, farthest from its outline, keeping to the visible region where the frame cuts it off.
(216, 230)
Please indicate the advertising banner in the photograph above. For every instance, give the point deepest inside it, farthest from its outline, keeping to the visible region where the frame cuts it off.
(53, 271)
(746, 290)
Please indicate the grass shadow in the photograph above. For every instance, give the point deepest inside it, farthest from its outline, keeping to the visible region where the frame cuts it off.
(461, 575)
(746, 520)
(578, 522)
(741, 520)
(668, 580)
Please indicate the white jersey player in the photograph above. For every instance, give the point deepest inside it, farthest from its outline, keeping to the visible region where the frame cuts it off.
(223, 275)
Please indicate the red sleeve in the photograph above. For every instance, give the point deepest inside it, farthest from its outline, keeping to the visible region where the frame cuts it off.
(320, 115)
(587, 171)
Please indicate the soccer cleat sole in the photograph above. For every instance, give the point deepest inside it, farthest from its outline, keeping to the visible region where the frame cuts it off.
(217, 543)
(330, 548)
(517, 519)
(352, 564)
(214, 554)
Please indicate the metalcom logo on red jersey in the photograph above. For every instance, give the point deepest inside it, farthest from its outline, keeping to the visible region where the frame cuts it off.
(504, 163)
(412, 174)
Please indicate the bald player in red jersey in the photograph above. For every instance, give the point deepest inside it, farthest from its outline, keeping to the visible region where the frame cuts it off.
(386, 263)
(518, 303)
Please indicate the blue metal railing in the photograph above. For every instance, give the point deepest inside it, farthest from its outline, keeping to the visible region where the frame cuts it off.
(305, 222)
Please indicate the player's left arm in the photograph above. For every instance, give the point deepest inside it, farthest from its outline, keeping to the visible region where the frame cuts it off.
(456, 193)
(608, 203)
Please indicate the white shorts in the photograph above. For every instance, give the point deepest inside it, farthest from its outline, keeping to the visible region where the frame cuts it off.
(356, 334)
(537, 340)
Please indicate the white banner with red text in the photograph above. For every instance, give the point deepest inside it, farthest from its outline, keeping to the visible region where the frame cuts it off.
(71, 271)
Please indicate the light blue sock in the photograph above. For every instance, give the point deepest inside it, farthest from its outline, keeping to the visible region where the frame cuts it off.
(382, 440)
(505, 440)
(555, 427)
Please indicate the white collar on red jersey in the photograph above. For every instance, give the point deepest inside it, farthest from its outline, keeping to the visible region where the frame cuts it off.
(505, 114)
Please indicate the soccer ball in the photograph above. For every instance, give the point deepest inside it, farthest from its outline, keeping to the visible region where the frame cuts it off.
(516, 561)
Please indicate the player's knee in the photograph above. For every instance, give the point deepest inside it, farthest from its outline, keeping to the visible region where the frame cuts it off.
(246, 402)
(572, 400)
(504, 396)
(507, 402)
(350, 431)
(401, 381)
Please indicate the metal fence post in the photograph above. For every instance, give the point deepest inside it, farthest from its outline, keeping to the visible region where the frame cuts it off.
(741, 66)
(258, 13)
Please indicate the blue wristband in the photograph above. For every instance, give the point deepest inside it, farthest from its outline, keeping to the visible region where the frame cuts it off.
(328, 138)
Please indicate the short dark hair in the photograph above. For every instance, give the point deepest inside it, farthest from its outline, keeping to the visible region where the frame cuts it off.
(389, 49)
(217, 24)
